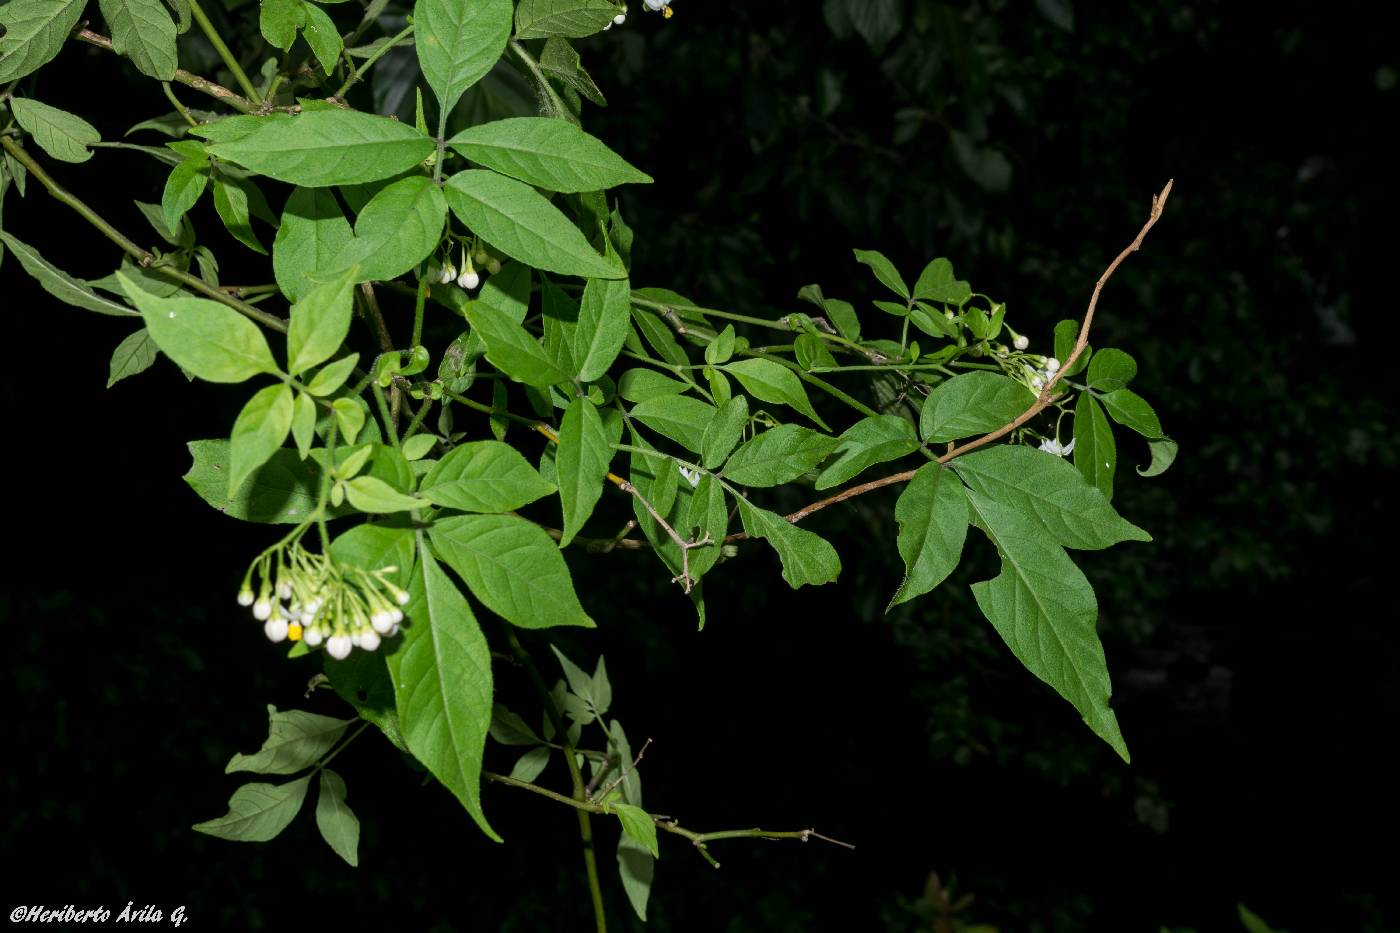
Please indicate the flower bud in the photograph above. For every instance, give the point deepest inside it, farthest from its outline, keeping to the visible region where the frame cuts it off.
(468, 280)
(312, 637)
(1021, 341)
(493, 265)
(275, 629)
(1037, 382)
(338, 647)
(449, 272)
(245, 597)
(262, 609)
(619, 19)
(369, 640)
(382, 621)
(1052, 365)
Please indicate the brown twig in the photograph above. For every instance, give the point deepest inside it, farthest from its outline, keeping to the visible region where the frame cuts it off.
(189, 79)
(1046, 396)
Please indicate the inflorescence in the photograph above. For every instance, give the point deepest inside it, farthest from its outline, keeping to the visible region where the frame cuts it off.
(302, 596)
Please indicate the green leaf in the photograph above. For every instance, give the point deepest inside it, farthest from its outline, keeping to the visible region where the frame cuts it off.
(231, 204)
(511, 348)
(418, 446)
(333, 375)
(936, 283)
(838, 312)
(295, 740)
(579, 681)
(35, 31)
(884, 271)
(1095, 454)
(304, 424)
(283, 491)
(638, 385)
(59, 133)
(778, 455)
(725, 430)
(681, 418)
(349, 418)
(658, 334)
(374, 496)
(337, 822)
(442, 679)
(513, 567)
(1111, 369)
(327, 147)
(529, 765)
(183, 188)
(322, 35)
(484, 476)
(585, 451)
(771, 382)
(637, 868)
(872, 440)
(973, 403)
(143, 31)
(320, 322)
(258, 812)
(398, 228)
(1132, 411)
(811, 352)
(721, 348)
(1252, 922)
(806, 557)
(279, 20)
(1066, 333)
(638, 825)
(311, 239)
(133, 355)
(1163, 454)
(211, 340)
(458, 43)
(559, 61)
(509, 729)
(932, 516)
(552, 154)
(1049, 493)
(571, 19)
(517, 220)
(1045, 611)
(602, 326)
(59, 283)
(261, 428)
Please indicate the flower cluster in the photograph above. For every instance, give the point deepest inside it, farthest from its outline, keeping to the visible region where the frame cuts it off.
(309, 597)
(467, 277)
(1037, 377)
(651, 6)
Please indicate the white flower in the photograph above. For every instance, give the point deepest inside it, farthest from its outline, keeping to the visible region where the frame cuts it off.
(1056, 448)
(1037, 382)
(338, 647)
(619, 19)
(245, 597)
(655, 5)
(382, 621)
(449, 272)
(468, 280)
(1052, 365)
(312, 637)
(691, 476)
(369, 640)
(1021, 341)
(275, 629)
(262, 609)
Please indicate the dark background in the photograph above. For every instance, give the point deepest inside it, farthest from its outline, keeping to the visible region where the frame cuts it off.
(1252, 645)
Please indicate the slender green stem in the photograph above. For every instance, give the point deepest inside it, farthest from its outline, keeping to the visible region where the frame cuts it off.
(357, 74)
(343, 745)
(418, 304)
(179, 107)
(489, 410)
(384, 415)
(585, 823)
(822, 384)
(417, 421)
(555, 102)
(142, 257)
(217, 42)
(886, 367)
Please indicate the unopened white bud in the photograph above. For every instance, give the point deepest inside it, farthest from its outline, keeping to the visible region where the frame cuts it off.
(284, 590)
(382, 621)
(619, 19)
(338, 647)
(468, 280)
(262, 609)
(369, 640)
(1021, 341)
(401, 597)
(356, 639)
(275, 629)
(1052, 365)
(312, 637)
(398, 615)
(1037, 383)
(245, 597)
(493, 265)
(449, 272)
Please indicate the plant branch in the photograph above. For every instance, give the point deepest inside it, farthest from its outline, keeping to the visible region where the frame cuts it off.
(546, 89)
(357, 74)
(189, 79)
(143, 257)
(217, 41)
(1042, 401)
(697, 839)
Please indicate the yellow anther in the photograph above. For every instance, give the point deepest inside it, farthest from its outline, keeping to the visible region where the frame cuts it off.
(294, 632)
